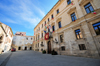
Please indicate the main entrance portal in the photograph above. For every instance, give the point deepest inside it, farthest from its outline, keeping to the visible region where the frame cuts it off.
(49, 47)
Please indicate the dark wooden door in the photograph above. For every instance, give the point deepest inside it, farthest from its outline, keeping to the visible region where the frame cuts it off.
(49, 47)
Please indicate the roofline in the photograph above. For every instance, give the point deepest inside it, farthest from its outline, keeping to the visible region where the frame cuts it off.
(47, 13)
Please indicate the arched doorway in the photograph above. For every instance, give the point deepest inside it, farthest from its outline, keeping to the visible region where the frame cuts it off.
(49, 47)
(19, 48)
(25, 48)
(30, 48)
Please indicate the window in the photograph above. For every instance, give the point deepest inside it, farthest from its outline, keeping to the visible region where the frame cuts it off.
(42, 35)
(53, 28)
(48, 30)
(82, 47)
(68, 2)
(45, 22)
(42, 25)
(57, 11)
(31, 38)
(78, 34)
(63, 48)
(59, 24)
(88, 7)
(48, 19)
(97, 28)
(61, 38)
(52, 16)
(41, 49)
(38, 44)
(38, 37)
(27, 38)
(73, 16)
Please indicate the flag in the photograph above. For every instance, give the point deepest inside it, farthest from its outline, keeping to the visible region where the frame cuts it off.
(44, 31)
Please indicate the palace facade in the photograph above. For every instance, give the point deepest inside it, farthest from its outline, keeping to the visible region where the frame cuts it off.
(71, 27)
(6, 36)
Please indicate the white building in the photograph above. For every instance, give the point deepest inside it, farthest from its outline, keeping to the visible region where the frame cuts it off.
(22, 42)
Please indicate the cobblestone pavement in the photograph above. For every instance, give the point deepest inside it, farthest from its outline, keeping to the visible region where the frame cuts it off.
(32, 58)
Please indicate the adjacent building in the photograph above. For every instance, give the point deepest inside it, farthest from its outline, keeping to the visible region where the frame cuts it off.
(6, 36)
(22, 42)
(71, 27)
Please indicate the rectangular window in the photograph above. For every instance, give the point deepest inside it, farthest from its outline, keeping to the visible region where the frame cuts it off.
(38, 37)
(96, 27)
(78, 34)
(45, 22)
(73, 16)
(48, 19)
(42, 35)
(61, 38)
(38, 44)
(42, 25)
(68, 2)
(48, 30)
(52, 16)
(88, 7)
(57, 11)
(53, 28)
(63, 48)
(59, 24)
(82, 47)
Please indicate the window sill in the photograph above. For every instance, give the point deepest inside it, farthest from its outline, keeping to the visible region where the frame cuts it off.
(80, 39)
(97, 36)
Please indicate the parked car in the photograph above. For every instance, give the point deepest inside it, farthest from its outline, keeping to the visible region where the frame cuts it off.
(13, 50)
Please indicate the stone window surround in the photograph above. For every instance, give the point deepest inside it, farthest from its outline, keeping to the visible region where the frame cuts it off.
(73, 10)
(75, 28)
(91, 27)
(59, 37)
(84, 3)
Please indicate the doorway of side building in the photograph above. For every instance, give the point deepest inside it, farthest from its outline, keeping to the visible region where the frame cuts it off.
(49, 47)
(30, 48)
(19, 48)
(25, 48)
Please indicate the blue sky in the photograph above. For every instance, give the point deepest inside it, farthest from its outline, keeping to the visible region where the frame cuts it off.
(24, 15)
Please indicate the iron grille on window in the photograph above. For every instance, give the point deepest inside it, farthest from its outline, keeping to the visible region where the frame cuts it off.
(63, 48)
(73, 16)
(88, 7)
(78, 34)
(61, 38)
(82, 47)
(97, 28)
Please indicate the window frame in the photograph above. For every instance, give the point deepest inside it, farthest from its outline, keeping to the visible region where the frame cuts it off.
(97, 27)
(73, 15)
(53, 28)
(78, 34)
(59, 24)
(61, 39)
(81, 47)
(57, 11)
(88, 7)
(68, 2)
(52, 16)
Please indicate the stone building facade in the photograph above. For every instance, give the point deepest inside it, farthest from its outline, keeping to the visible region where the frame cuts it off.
(6, 36)
(21, 42)
(75, 29)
